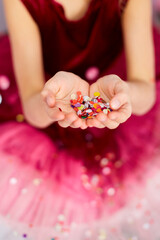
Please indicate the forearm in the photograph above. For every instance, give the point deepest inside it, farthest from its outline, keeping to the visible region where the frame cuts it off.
(143, 96)
(34, 111)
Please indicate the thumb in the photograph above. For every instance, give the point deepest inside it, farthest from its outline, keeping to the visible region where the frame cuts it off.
(118, 100)
(48, 97)
(121, 95)
(115, 102)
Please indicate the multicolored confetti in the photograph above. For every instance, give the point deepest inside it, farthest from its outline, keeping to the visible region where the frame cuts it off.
(20, 118)
(87, 107)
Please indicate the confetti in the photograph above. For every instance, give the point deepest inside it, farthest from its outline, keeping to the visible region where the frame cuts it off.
(61, 218)
(96, 94)
(13, 181)
(87, 107)
(24, 191)
(104, 162)
(24, 235)
(58, 227)
(4, 82)
(37, 181)
(146, 226)
(111, 191)
(102, 235)
(0, 98)
(88, 234)
(106, 171)
(20, 118)
(15, 233)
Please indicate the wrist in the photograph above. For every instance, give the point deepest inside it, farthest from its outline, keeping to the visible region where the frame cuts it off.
(142, 95)
(35, 113)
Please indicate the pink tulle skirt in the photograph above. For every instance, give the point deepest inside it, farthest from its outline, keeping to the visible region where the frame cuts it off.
(71, 184)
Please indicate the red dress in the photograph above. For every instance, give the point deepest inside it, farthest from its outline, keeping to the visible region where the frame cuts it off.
(61, 183)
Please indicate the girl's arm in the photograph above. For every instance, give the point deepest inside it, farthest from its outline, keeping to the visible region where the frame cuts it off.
(137, 31)
(137, 95)
(27, 59)
(40, 101)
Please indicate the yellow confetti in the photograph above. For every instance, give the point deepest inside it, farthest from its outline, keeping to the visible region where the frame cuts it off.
(81, 107)
(20, 118)
(96, 94)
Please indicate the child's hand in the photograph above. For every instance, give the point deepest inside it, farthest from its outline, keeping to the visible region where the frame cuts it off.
(57, 95)
(116, 92)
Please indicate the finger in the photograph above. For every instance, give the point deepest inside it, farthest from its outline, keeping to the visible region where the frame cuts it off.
(55, 114)
(90, 122)
(77, 123)
(48, 97)
(97, 124)
(101, 124)
(68, 120)
(104, 120)
(110, 123)
(121, 95)
(118, 100)
(122, 114)
(101, 117)
(84, 124)
(93, 89)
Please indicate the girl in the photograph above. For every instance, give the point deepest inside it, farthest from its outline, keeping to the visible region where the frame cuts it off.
(99, 178)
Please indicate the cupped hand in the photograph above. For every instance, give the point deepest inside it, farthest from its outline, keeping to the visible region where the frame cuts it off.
(57, 95)
(116, 92)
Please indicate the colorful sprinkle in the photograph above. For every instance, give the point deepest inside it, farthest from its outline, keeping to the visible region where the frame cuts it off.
(111, 191)
(104, 162)
(87, 107)
(133, 238)
(20, 118)
(102, 235)
(15, 233)
(118, 164)
(13, 181)
(88, 234)
(92, 73)
(37, 181)
(4, 82)
(73, 96)
(0, 98)
(96, 94)
(61, 218)
(24, 235)
(146, 226)
(24, 191)
(58, 227)
(95, 180)
(106, 171)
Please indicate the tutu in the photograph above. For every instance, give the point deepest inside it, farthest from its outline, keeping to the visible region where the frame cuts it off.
(67, 184)
(49, 195)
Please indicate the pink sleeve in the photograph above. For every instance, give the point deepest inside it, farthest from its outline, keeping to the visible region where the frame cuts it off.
(33, 8)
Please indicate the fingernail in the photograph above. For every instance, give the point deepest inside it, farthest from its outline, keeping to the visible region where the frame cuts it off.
(115, 104)
(50, 101)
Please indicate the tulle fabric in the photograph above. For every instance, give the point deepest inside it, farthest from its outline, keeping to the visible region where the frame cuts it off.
(55, 204)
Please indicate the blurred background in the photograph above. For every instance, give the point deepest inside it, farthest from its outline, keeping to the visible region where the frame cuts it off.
(156, 15)
(2, 21)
